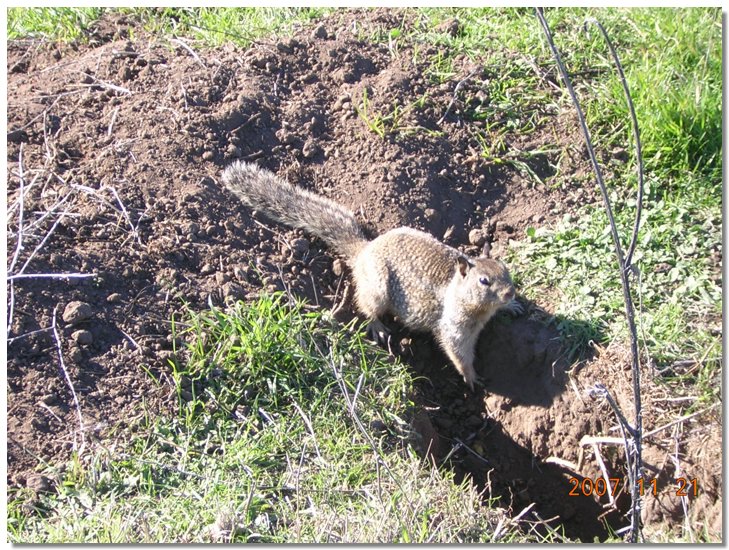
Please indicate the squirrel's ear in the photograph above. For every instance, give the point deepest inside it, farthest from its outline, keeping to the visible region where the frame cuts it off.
(486, 252)
(463, 265)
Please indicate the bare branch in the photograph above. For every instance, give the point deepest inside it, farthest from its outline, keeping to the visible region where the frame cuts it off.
(634, 452)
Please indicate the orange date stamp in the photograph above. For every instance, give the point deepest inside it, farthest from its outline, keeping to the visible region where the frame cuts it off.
(683, 487)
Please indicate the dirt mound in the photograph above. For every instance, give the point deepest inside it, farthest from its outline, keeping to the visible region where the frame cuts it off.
(114, 154)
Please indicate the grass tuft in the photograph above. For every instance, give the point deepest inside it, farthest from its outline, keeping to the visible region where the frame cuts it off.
(62, 24)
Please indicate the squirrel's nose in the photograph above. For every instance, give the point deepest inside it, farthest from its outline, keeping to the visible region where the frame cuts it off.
(509, 295)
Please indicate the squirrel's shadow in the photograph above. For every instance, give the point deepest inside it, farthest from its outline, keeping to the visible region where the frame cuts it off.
(526, 359)
(519, 358)
(523, 363)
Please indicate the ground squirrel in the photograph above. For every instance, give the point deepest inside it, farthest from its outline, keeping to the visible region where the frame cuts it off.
(425, 284)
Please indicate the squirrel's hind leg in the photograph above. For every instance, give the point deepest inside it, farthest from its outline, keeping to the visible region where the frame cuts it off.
(379, 333)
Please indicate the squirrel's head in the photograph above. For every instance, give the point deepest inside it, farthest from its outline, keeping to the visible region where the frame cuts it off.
(483, 281)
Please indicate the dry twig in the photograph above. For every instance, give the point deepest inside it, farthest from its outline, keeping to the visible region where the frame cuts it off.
(634, 451)
(106, 85)
(50, 276)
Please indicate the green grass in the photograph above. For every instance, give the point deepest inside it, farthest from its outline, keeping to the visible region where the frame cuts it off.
(217, 26)
(213, 26)
(395, 120)
(290, 428)
(676, 288)
(672, 59)
(62, 24)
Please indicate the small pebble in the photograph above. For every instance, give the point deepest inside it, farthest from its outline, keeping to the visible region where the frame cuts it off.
(299, 247)
(286, 47)
(342, 102)
(431, 214)
(191, 228)
(504, 226)
(234, 151)
(310, 149)
(240, 274)
(233, 290)
(285, 136)
(49, 399)
(38, 483)
(451, 27)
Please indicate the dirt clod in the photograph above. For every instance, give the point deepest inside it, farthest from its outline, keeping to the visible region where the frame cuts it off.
(83, 337)
(39, 483)
(75, 312)
(476, 237)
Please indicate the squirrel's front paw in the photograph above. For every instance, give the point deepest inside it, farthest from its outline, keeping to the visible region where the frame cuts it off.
(473, 380)
(514, 308)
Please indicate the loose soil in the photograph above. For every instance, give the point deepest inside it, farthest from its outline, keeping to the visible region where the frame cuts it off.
(119, 145)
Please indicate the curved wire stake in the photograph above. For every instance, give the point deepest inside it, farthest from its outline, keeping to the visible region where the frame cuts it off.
(635, 452)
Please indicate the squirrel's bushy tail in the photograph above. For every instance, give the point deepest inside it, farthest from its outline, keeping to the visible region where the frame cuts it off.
(296, 207)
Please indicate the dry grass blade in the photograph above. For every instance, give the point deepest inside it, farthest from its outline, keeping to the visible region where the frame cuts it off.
(682, 419)
(605, 475)
(455, 95)
(97, 194)
(64, 370)
(684, 497)
(11, 309)
(43, 242)
(27, 334)
(309, 427)
(110, 129)
(48, 213)
(358, 422)
(21, 200)
(106, 85)
(189, 50)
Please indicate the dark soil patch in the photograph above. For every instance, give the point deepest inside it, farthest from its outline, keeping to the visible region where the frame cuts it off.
(120, 145)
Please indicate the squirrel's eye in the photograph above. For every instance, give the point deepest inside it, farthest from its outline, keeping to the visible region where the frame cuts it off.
(484, 281)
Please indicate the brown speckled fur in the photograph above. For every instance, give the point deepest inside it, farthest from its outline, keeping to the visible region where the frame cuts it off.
(426, 284)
